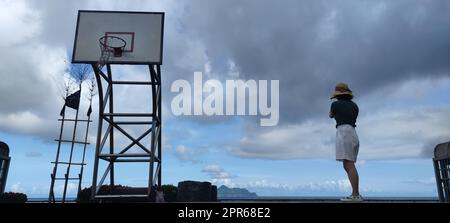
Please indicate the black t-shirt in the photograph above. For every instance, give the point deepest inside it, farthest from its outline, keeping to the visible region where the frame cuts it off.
(345, 112)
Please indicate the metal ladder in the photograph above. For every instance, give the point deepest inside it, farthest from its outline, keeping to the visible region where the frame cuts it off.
(69, 163)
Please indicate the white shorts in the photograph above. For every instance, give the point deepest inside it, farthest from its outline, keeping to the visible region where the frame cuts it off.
(347, 143)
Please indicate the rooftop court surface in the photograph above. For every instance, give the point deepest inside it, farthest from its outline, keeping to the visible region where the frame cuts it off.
(301, 200)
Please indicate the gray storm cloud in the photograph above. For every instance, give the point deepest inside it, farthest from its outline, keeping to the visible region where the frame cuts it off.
(311, 45)
(307, 45)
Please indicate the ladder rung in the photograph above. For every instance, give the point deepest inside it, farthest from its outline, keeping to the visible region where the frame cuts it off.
(72, 120)
(70, 178)
(70, 141)
(132, 160)
(129, 114)
(126, 155)
(127, 160)
(133, 123)
(134, 82)
(121, 196)
(79, 164)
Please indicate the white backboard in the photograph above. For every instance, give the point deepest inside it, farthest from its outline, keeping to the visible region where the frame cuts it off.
(142, 32)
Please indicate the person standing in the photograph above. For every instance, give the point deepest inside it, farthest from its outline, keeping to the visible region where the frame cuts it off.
(345, 112)
(159, 195)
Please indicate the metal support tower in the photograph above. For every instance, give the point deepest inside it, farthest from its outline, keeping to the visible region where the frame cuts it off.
(5, 159)
(441, 163)
(116, 121)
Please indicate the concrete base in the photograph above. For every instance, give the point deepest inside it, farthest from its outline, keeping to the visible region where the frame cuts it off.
(193, 191)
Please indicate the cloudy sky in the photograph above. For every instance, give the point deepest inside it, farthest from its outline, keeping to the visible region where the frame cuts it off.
(395, 55)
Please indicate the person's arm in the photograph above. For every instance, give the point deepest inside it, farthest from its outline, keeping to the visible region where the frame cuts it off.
(332, 111)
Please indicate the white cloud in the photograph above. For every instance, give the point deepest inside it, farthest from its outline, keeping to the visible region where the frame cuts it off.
(263, 183)
(34, 63)
(328, 30)
(186, 154)
(422, 182)
(311, 139)
(23, 122)
(331, 187)
(19, 20)
(30, 72)
(383, 135)
(72, 189)
(33, 154)
(17, 188)
(218, 175)
(38, 190)
(386, 132)
(212, 169)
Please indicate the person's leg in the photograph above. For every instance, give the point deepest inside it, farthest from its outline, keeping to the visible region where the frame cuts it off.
(352, 174)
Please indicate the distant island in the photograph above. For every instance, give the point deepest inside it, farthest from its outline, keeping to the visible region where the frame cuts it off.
(226, 192)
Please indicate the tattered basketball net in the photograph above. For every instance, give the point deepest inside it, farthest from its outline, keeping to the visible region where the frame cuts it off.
(110, 45)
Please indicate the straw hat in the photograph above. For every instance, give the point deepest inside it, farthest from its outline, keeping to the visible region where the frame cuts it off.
(341, 89)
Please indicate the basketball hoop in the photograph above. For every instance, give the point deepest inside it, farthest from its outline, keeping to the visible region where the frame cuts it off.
(111, 45)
